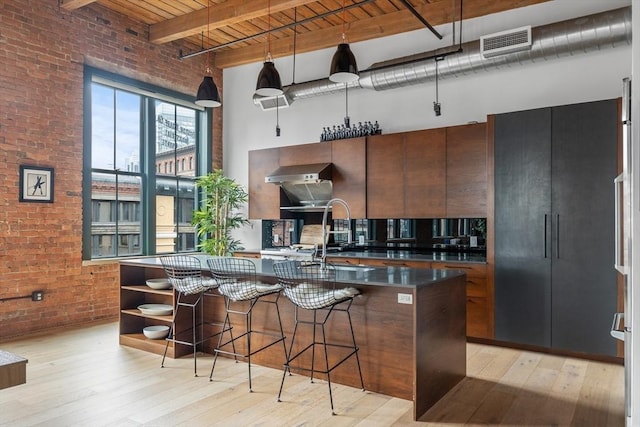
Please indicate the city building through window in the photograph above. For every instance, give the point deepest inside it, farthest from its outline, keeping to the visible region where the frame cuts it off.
(135, 201)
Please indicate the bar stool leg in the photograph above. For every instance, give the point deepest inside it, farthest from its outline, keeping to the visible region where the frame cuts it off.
(326, 361)
(313, 345)
(220, 337)
(248, 323)
(353, 338)
(288, 354)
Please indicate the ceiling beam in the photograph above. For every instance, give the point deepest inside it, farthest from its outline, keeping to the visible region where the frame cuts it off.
(75, 4)
(365, 29)
(224, 14)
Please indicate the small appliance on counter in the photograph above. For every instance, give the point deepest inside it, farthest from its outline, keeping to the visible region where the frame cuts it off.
(306, 250)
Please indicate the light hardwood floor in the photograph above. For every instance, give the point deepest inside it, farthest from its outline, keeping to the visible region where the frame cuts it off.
(82, 377)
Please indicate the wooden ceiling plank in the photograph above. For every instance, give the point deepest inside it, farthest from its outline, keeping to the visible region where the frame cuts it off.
(75, 4)
(225, 14)
(379, 26)
(143, 12)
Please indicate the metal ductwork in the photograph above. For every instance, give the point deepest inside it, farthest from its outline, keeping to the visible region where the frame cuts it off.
(591, 33)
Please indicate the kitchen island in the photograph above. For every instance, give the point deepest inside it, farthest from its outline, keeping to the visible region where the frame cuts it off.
(409, 325)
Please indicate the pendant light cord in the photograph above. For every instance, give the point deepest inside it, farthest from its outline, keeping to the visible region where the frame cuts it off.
(277, 117)
(344, 37)
(295, 37)
(347, 121)
(269, 30)
(208, 37)
(436, 79)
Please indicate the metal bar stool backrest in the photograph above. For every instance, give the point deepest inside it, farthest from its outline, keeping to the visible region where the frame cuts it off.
(311, 286)
(236, 278)
(185, 274)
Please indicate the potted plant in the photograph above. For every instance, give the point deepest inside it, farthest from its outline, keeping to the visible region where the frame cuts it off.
(218, 214)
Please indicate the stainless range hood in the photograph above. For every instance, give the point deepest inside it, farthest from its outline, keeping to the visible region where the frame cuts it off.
(308, 187)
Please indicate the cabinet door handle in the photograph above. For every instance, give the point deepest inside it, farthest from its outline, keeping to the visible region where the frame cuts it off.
(544, 237)
(558, 236)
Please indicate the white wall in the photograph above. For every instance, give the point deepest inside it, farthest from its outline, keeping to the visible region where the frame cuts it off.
(579, 78)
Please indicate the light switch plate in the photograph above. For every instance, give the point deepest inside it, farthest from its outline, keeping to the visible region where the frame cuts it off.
(405, 298)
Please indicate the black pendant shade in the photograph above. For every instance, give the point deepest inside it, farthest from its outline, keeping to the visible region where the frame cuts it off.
(343, 65)
(269, 83)
(208, 93)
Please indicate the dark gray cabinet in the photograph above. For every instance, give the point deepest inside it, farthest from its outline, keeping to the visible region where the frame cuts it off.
(555, 285)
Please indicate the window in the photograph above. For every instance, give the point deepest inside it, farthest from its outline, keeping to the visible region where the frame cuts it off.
(135, 201)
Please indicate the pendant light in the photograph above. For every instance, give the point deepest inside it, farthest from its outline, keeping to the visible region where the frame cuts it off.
(208, 95)
(437, 107)
(269, 83)
(343, 64)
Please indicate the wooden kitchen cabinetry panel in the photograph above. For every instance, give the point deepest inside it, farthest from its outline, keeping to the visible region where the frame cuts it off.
(425, 173)
(432, 173)
(378, 262)
(264, 198)
(349, 158)
(135, 292)
(477, 324)
(554, 226)
(338, 260)
(466, 171)
(385, 180)
(479, 297)
(305, 154)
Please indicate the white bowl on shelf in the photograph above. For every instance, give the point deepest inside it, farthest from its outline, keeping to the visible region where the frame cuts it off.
(156, 309)
(156, 332)
(159, 283)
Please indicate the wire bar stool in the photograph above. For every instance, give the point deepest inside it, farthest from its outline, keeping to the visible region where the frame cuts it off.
(310, 286)
(242, 290)
(185, 275)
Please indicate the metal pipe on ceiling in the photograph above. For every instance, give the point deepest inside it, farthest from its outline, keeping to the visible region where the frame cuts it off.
(582, 35)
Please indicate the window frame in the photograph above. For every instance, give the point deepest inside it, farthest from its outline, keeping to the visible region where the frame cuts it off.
(148, 168)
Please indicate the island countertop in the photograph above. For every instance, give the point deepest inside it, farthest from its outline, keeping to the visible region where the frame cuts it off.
(409, 323)
(365, 275)
(397, 255)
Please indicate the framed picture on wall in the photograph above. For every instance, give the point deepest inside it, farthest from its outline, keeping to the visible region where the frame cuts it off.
(36, 184)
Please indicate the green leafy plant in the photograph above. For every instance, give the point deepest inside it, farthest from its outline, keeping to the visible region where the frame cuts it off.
(218, 214)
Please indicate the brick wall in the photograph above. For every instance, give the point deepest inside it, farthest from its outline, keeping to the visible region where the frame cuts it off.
(42, 52)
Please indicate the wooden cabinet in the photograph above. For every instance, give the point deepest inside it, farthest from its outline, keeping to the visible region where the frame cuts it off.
(466, 173)
(304, 154)
(134, 292)
(385, 176)
(425, 174)
(338, 260)
(406, 175)
(378, 262)
(246, 254)
(479, 305)
(349, 158)
(264, 198)
(432, 173)
(479, 297)
(554, 226)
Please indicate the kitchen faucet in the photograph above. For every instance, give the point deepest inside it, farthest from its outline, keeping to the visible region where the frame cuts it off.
(324, 228)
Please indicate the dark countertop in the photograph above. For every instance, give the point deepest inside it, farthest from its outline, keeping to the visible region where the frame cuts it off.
(409, 256)
(355, 275)
(434, 256)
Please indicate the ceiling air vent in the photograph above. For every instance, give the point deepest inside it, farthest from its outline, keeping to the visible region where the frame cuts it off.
(270, 102)
(506, 42)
